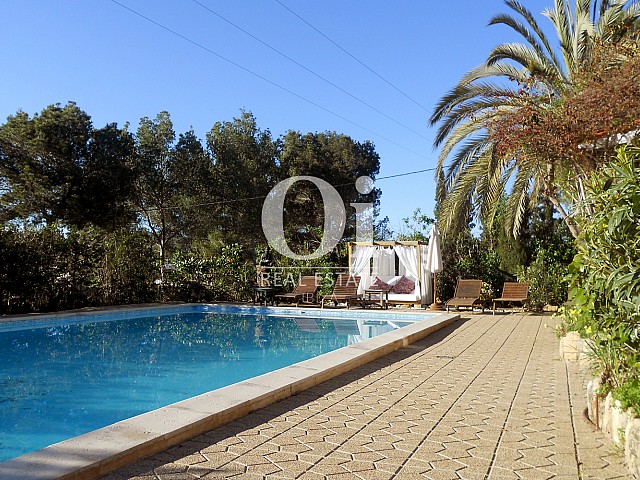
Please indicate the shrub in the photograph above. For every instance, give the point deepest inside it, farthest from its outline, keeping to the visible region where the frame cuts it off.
(465, 257)
(605, 273)
(629, 395)
(546, 276)
(205, 277)
(127, 270)
(56, 268)
(326, 267)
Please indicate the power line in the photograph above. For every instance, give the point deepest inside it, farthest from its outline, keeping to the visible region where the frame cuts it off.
(262, 197)
(317, 75)
(263, 78)
(407, 173)
(354, 57)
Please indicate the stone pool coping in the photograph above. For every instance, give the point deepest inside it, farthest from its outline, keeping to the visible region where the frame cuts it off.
(43, 320)
(98, 452)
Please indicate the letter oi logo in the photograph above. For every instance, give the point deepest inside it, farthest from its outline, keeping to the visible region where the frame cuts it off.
(334, 216)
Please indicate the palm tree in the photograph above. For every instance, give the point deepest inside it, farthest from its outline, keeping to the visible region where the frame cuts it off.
(477, 176)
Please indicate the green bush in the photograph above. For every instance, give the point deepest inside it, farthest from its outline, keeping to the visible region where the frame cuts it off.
(546, 276)
(327, 267)
(127, 269)
(464, 256)
(605, 273)
(57, 268)
(206, 277)
(629, 395)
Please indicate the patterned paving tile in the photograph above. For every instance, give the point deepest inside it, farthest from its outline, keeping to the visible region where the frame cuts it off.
(486, 398)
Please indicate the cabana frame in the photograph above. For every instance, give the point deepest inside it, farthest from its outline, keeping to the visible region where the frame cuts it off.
(421, 257)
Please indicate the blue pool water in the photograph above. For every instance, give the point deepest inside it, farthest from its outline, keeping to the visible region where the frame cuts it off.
(68, 377)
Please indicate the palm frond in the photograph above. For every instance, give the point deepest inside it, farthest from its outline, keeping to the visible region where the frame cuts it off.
(457, 207)
(517, 201)
(540, 48)
(476, 97)
(462, 132)
(464, 157)
(583, 8)
(497, 70)
(583, 38)
(527, 57)
(526, 14)
(475, 109)
(448, 101)
(604, 6)
(560, 17)
(617, 19)
(493, 189)
(471, 179)
(480, 181)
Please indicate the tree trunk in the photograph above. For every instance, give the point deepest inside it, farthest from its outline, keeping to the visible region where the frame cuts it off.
(163, 241)
(568, 219)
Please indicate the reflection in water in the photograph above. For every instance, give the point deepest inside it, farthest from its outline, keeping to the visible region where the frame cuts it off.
(63, 380)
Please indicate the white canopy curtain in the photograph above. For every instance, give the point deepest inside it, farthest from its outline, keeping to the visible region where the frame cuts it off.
(360, 264)
(426, 280)
(384, 262)
(408, 256)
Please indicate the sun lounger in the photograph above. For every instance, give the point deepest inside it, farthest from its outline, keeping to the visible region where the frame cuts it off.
(513, 292)
(344, 291)
(467, 294)
(305, 291)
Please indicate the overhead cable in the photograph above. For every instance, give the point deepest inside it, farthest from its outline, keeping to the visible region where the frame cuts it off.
(262, 197)
(354, 57)
(263, 78)
(317, 75)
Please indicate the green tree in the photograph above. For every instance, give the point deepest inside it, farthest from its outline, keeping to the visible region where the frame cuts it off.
(173, 184)
(335, 158)
(58, 267)
(55, 167)
(108, 179)
(605, 273)
(126, 268)
(195, 184)
(466, 256)
(541, 231)
(417, 227)
(41, 161)
(155, 186)
(225, 275)
(517, 83)
(244, 171)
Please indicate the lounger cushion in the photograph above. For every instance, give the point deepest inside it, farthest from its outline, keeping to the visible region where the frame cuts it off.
(411, 297)
(404, 286)
(379, 284)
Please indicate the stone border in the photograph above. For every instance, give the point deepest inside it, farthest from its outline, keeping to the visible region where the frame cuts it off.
(96, 453)
(606, 413)
(36, 320)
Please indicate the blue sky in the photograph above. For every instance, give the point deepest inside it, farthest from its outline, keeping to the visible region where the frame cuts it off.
(119, 67)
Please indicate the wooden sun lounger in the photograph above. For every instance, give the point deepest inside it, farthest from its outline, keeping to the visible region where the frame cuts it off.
(513, 292)
(467, 294)
(345, 290)
(305, 291)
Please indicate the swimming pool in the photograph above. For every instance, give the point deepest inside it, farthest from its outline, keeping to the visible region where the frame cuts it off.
(62, 377)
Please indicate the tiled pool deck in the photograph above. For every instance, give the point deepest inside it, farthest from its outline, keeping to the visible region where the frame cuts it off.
(486, 397)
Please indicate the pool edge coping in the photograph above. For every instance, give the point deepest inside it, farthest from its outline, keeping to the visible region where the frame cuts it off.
(101, 451)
